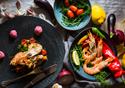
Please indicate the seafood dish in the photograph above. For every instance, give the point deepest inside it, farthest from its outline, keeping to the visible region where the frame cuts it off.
(30, 54)
(93, 54)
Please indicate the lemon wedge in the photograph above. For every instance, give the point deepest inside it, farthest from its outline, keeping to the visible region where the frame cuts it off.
(123, 61)
(82, 39)
(75, 58)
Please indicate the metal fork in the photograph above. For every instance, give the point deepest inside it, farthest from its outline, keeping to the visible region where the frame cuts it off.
(4, 84)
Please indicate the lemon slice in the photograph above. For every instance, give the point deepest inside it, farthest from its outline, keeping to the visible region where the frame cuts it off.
(82, 39)
(75, 58)
(123, 61)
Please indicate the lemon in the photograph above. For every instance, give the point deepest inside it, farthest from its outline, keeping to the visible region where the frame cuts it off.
(75, 58)
(123, 61)
(82, 39)
(98, 14)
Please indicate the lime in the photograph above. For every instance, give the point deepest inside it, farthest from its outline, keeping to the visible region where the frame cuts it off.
(75, 58)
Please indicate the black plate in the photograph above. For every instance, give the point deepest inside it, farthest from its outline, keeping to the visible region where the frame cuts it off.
(79, 36)
(50, 39)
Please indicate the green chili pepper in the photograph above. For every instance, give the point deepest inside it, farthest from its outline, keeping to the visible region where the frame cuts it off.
(95, 30)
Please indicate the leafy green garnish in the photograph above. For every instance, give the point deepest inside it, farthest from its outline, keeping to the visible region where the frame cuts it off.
(101, 77)
(22, 48)
(72, 21)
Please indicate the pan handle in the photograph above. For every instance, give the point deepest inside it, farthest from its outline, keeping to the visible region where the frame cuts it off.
(111, 23)
(46, 5)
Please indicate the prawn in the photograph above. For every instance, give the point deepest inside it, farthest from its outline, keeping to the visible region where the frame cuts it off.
(97, 60)
(88, 55)
(97, 67)
(99, 48)
(91, 42)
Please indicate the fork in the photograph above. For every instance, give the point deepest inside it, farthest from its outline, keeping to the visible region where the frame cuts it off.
(5, 83)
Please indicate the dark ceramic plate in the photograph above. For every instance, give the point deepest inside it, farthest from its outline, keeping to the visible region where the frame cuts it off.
(50, 39)
(80, 71)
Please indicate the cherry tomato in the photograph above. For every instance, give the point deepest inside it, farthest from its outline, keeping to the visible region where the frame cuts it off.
(67, 3)
(70, 14)
(73, 8)
(23, 41)
(44, 52)
(79, 12)
(32, 40)
(44, 58)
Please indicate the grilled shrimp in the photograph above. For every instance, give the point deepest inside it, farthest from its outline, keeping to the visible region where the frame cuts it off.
(97, 60)
(99, 48)
(88, 55)
(91, 40)
(97, 67)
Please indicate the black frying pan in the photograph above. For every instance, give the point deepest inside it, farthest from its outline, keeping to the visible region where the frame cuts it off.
(77, 38)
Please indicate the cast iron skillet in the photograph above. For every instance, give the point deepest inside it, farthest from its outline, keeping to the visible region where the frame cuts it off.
(50, 39)
(80, 35)
(55, 13)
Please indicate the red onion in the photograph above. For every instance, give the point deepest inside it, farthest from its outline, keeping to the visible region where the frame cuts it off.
(65, 77)
(118, 35)
(13, 33)
(2, 55)
(38, 30)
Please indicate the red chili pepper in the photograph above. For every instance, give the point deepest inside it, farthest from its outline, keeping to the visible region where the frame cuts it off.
(115, 65)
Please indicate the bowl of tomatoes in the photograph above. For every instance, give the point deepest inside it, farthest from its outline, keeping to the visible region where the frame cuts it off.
(72, 14)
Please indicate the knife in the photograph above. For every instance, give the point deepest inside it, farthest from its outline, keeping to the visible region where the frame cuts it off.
(36, 71)
(46, 72)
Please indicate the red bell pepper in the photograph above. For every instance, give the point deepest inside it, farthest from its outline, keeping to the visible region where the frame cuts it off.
(107, 51)
(115, 65)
